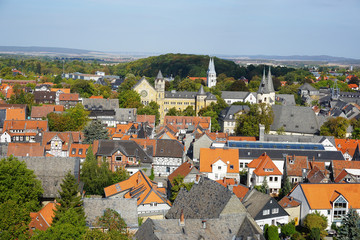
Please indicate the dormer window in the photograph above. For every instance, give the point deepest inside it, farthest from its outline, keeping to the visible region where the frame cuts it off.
(291, 161)
(268, 169)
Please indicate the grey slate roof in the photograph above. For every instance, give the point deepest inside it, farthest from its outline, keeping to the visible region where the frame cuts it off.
(2, 117)
(127, 147)
(278, 154)
(125, 114)
(238, 226)
(231, 111)
(101, 113)
(159, 75)
(127, 208)
(206, 199)
(307, 86)
(51, 171)
(100, 104)
(286, 99)
(201, 91)
(188, 95)
(295, 119)
(169, 148)
(255, 202)
(234, 95)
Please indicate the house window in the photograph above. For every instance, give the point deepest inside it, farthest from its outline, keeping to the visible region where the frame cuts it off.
(118, 158)
(80, 151)
(241, 165)
(231, 166)
(266, 212)
(167, 169)
(246, 165)
(275, 210)
(130, 159)
(340, 205)
(73, 151)
(338, 214)
(219, 167)
(275, 179)
(271, 178)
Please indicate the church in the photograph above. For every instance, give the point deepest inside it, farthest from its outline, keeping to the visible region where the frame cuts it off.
(179, 100)
(266, 92)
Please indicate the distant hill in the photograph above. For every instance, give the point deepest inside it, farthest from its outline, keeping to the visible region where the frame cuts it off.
(182, 65)
(53, 50)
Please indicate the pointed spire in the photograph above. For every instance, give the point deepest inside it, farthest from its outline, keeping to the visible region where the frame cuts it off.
(159, 75)
(201, 91)
(270, 81)
(211, 68)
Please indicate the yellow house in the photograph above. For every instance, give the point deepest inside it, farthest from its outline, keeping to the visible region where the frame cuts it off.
(170, 99)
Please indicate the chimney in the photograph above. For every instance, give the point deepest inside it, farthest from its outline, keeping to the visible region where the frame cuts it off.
(261, 132)
(224, 180)
(203, 224)
(291, 198)
(197, 179)
(182, 218)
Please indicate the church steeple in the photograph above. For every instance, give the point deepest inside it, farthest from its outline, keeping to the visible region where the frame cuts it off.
(266, 92)
(159, 75)
(211, 74)
(270, 81)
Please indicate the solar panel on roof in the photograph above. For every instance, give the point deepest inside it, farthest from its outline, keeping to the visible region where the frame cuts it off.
(272, 145)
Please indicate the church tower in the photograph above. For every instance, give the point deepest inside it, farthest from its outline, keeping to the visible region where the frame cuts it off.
(160, 86)
(211, 74)
(266, 92)
(200, 100)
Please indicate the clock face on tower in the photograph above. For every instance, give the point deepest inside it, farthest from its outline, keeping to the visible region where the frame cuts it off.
(143, 93)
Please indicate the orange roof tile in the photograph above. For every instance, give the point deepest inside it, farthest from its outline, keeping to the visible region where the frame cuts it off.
(25, 125)
(353, 86)
(78, 150)
(96, 97)
(146, 118)
(346, 145)
(226, 181)
(183, 170)
(209, 156)
(15, 114)
(287, 202)
(296, 164)
(341, 176)
(43, 219)
(339, 165)
(312, 192)
(240, 191)
(262, 163)
(64, 90)
(139, 183)
(69, 97)
(43, 111)
(25, 149)
(241, 138)
(66, 137)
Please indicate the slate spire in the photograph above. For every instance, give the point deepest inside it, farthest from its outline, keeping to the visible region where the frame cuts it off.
(159, 75)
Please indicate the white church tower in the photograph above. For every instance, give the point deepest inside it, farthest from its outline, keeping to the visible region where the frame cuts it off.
(266, 92)
(211, 74)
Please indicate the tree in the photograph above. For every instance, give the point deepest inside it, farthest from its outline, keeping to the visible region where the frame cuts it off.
(286, 188)
(19, 184)
(83, 87)
(70, 199)
(350, 226)
(71, 225)
(152, 174)
(95, 177)
(73, 119)
(173, 112)
(247, 124)
(112, 221)
(335, 127)
(178, 183)
(188, 111)
(14, 220)
(95, 131)
(129, 99)
(264, 187)
(119, 175)
(58, 79)
(272, 233)
(288, 229)
(151, 109)
(316, 220)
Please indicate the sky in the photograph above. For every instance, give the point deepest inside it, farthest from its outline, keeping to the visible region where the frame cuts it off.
(211, 27)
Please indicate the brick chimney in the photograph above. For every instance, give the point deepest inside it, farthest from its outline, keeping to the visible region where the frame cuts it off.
(182, 218)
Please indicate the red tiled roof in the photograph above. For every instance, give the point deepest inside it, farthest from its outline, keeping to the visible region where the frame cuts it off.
(146, 190)
(43, 111)
(287, 202)
(78, 150)
(25, 125)
(15, 114)
(96, 97)
(296, 164)
(25, 149)
(43, 219)
(339, 165)
(146, 118)
(240, 191)
(183, 170)
(262, 163)
(209, 156)
(69, 97)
